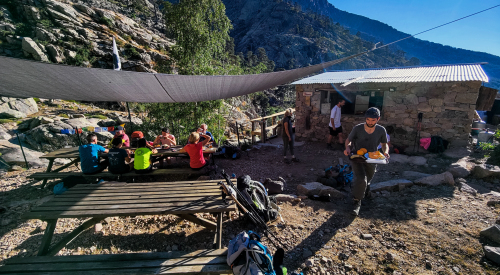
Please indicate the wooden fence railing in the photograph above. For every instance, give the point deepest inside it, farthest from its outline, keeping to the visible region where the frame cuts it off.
(263, 126)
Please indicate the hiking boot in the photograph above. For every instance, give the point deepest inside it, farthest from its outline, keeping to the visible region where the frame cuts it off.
(287, 161)
(295, 160)
(357, 207)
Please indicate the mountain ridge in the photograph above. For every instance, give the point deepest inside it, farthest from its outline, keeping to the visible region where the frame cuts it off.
(374, 30)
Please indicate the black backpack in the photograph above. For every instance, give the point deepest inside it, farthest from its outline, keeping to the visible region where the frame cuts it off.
(256, 195)
(438, 145)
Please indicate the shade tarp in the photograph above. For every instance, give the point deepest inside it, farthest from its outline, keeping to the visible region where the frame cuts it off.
(26, 78)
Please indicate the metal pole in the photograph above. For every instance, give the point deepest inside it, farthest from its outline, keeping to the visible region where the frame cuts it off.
(129, 119)
(238, 133)
(22, 150)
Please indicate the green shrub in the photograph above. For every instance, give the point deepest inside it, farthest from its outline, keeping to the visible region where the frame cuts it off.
(5, 120)
(36, 99)
(106, 21)
(46, 23)
(98, 116)
(63, 115)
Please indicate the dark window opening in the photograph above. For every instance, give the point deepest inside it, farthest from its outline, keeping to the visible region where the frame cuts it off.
(356, 102)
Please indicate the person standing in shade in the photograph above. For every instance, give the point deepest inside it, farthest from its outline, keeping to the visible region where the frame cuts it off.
(335, 126)
(89, 156)
(288, 136)
(365, 135)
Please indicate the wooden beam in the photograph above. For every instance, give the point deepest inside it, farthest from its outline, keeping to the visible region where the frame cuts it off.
(47, 237)
(71, 236)
(49, 167)
(200, 221)
(253, 131)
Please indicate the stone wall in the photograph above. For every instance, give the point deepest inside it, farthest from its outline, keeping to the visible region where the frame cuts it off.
(447, 107)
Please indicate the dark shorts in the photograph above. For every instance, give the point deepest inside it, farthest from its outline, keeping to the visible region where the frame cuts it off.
(145, 171)
(335, 132)
(198, 169)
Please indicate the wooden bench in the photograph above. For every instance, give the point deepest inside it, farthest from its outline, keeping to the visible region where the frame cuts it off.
(156, 172)
(174, 262)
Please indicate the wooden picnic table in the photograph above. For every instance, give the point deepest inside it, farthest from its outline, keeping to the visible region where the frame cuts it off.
(117, 199)
(73, 153)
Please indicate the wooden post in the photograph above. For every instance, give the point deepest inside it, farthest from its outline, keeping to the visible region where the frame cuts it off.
(263, 131)
(274, 120)
(49, 167)
(253, 129)
(219, 231)
(71, 236)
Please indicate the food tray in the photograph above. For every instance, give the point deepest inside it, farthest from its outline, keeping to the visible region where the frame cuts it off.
(365, 159)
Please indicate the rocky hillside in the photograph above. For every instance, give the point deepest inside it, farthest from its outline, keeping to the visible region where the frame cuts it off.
(294, 38)
(80, 33)
(427, 52)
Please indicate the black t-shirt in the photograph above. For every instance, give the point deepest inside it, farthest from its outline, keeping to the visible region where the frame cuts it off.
(288, 120)
(117, 163)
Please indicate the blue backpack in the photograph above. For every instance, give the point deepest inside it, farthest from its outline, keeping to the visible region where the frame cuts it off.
(248, 256)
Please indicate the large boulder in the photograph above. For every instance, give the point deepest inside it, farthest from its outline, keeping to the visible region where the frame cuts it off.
(316, 188)
(399, 158)
(443, 178)
(9, 113)
(492, 233)
(3, 134)
(486, 170)
(14, 156)
(390, 185)
(30, 47)
(417, 160)
(79, 123)
(56, 55)
(492, 253)
(27, 106)
(457, 152)
(412, 175)
(462, 168)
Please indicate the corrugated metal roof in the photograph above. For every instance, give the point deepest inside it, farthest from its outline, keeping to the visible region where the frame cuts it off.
(440, 73)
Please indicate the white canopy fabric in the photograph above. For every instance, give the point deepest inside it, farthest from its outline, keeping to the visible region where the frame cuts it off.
(26, 78)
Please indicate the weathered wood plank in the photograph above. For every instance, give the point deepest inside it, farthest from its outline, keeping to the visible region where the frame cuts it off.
(83, 266)
(109, 194)
(143, 184)
(179, 270)
(130, 212)
(141, 200)
(199, 203)
(141, 190)
(118, 257)
(80, 197)
(156, 172)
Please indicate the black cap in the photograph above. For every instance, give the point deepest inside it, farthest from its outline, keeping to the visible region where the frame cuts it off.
(118, 128)
(372, 112)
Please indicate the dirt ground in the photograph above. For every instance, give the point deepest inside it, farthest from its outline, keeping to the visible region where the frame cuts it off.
(419, 230)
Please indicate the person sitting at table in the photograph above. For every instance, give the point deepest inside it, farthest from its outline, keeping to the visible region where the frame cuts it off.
(165, 138)
(89, 156)
(120, 133)
(203, 131)
(118, 158)
(142, 157)
(195, 150)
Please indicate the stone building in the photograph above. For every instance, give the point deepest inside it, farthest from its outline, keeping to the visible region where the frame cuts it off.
(445, 95)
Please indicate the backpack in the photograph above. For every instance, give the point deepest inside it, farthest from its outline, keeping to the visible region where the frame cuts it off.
(256, 195)
(246, 255)
(438, 145)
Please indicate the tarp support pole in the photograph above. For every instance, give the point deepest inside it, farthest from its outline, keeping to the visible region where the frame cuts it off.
(22, 150)
(129, 118)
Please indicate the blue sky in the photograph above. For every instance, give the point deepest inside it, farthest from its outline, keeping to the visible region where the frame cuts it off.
(478, 33)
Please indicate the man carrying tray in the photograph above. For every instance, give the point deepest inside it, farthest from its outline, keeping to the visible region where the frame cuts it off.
(366, 135)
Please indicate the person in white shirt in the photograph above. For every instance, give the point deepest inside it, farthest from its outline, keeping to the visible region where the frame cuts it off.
(335, 126)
